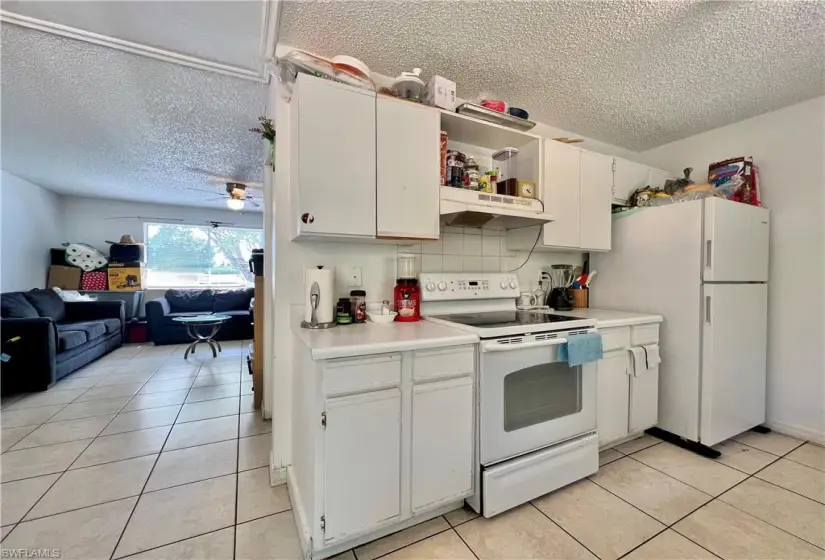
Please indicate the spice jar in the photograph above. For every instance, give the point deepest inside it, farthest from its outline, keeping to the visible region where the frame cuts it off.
(343, 311)
(358, 299)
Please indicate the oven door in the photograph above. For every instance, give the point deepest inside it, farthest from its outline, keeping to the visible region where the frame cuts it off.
(530, 399)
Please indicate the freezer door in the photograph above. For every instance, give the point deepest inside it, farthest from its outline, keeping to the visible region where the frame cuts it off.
(735, 246)
(733, 359)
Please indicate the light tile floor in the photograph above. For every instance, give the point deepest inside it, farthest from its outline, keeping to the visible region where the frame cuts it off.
(145, 455)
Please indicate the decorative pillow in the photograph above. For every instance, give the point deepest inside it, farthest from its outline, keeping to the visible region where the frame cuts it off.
(14, 305)
(47, 303)
(232, 300)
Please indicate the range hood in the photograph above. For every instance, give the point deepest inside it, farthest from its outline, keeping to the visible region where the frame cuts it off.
(463, 207)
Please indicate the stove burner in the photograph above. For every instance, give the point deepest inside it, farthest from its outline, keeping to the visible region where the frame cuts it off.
(495, 319)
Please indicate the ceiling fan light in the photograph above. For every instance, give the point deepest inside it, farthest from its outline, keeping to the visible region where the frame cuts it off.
(234, 204)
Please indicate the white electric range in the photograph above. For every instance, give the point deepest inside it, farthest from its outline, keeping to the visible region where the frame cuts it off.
(536, 414)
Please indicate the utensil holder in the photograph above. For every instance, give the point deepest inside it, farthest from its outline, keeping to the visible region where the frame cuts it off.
(581, 297)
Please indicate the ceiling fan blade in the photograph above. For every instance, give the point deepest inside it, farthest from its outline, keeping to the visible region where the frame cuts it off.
(252, 202)
(205, 191)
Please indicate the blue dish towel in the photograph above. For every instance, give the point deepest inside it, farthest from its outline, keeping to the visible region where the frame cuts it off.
(582, 348)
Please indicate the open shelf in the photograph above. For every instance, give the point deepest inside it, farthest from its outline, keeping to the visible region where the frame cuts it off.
(469, 130)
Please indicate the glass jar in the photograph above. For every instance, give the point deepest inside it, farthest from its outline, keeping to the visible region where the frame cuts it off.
(358, 298)
(472, 174)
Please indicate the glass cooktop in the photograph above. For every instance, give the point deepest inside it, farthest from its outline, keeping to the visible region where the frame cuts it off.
(495, 319)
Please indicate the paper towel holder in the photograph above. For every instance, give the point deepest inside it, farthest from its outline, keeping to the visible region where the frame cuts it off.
(314, 298)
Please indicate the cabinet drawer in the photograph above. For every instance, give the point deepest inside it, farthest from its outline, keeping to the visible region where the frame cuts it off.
(359, 375)
(444, 362)
(644, 334)
(615, 339)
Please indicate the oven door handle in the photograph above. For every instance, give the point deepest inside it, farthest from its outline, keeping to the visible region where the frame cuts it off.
(494, 347)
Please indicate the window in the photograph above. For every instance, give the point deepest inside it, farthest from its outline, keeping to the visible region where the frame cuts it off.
(182, 256)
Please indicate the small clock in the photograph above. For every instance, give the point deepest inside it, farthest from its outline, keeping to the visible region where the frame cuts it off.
(526, 189)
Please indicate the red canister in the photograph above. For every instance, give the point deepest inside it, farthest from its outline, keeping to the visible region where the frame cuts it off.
(407, 300)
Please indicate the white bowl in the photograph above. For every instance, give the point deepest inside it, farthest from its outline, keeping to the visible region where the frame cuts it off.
(382, 319)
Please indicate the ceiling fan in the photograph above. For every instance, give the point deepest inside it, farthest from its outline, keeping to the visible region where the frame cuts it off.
(236, 196)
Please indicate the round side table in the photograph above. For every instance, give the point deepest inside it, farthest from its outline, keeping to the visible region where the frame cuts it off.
(192, 326)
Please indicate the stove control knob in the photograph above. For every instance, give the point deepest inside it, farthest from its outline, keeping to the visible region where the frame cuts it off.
(504, 284)
(442, 286)
(513, 285)
(430, 286)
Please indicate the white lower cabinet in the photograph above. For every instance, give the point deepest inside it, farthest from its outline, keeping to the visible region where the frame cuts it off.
(613, 396)
(442, 442)
(380, 442)
(362, 461)
(627, 404)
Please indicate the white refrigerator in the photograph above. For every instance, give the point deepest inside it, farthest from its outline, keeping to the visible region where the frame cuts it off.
(703, 266)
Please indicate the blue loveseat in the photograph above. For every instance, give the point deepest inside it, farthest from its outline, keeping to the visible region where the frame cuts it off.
(161, 312)
(55, 337)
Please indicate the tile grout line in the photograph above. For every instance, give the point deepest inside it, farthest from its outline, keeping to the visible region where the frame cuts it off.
(56, 480)
(142, 490)
(716, 498)
(406, 545)
(671, 526)
(565, 531)
(473, 552)
(237, 482)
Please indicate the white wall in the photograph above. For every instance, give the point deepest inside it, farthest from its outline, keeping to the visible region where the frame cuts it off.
(30, 225)
(86, 220)
(788, 146)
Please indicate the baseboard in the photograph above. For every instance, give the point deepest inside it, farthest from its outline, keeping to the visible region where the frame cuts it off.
(797, 432)
(277, 475)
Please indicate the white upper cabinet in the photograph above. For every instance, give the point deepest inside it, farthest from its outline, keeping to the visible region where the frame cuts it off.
(562, 176)
(332, 159)
(408, 169)
(627, 177)
(596, 198)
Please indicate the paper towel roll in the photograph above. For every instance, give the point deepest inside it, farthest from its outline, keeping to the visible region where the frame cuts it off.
(326, 303)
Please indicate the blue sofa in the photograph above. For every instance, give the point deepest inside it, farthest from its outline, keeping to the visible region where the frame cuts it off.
(56, 337)
(161, 312)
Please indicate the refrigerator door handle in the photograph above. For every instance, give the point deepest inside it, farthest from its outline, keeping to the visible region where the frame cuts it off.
(707, 310)
(708, 253)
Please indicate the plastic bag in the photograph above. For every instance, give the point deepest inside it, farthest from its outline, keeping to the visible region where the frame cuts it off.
(735, 179)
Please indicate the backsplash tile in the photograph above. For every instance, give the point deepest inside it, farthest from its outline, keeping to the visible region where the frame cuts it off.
(477, 250)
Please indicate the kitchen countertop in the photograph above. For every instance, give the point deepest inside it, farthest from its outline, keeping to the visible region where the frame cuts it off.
(607, 318)
(369, 338)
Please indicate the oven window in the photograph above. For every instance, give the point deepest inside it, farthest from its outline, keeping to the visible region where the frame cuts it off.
(541, 393)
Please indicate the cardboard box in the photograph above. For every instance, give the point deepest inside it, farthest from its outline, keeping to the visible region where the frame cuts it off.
(441, 93)
(64, 277)
(126, 277)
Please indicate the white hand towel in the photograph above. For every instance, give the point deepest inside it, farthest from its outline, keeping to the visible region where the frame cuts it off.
(653, 358)
(638, 364)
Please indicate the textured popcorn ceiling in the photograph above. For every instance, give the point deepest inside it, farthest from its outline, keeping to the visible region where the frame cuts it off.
(637, 74)
(228, 32)
(83, 119)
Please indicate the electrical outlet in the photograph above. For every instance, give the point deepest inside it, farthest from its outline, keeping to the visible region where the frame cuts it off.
(354, 277)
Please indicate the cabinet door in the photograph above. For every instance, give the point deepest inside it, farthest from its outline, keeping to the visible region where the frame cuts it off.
(644, 400)
(613, 396)
(362, 462)
(562, 175)
(409, 169)
(627, 177)
(595, 219)
(332, 158)
(657, 178)
(442, 442)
